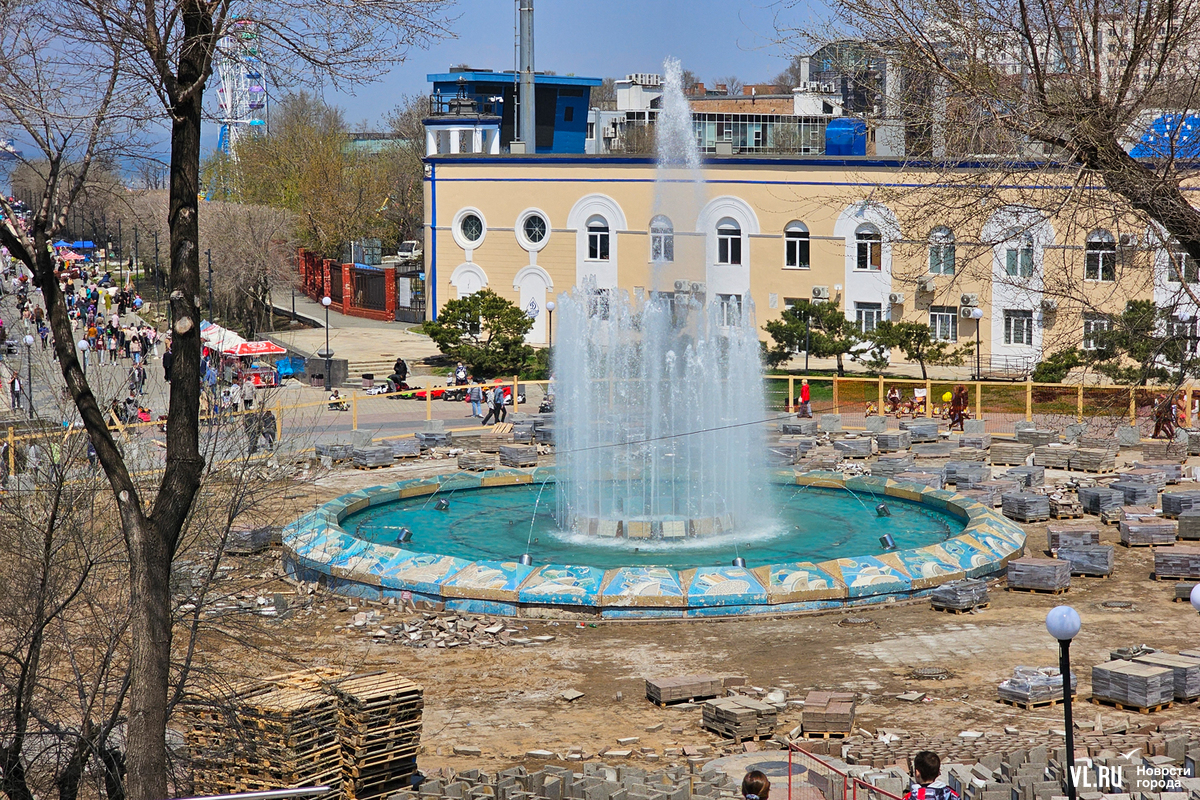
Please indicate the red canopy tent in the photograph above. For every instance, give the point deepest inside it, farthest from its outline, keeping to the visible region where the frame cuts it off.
(256, 349)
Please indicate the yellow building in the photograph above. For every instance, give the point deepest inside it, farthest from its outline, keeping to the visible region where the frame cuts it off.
(881, 239)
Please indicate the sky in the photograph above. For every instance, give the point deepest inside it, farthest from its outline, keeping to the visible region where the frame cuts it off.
(609, 38)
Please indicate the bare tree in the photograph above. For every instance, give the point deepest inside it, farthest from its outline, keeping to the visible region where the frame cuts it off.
(732, 83)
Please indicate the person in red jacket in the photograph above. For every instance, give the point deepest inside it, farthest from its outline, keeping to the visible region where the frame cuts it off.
(805, 402)
(927, 766)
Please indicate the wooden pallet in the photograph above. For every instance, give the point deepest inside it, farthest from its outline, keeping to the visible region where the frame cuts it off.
(1037, 591)
(502, 427)
(824, 734)
(1100, 701)
(1177, 578)
(758, 737)
(949, 610)
(1058, 515)
(1034, 703)
(697, 699)
(366, 467)
(1146, 544)
(1088, 575)
(1102, 471)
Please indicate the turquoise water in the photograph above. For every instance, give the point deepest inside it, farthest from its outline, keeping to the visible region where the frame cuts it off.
(499, 524)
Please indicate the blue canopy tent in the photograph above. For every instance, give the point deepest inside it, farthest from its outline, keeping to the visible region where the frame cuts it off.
(1170, 135)
(62, 243)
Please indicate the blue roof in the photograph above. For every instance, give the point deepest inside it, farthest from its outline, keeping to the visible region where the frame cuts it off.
(1171, 135)
(490, 76)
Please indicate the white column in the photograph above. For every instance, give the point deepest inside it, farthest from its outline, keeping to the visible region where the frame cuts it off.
(493, 138)
(476, 140)
(455, 140)
(431, 144)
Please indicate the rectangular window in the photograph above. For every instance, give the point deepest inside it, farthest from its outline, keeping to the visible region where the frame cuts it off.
(867, 315)
(943, 323)
(598, 244)
(569, 114)
(1100, 261)
(1093, 324)
(1018, 327)
(1182, 264)
(1185, 332)
(591, 134)
(662, 246)
(729, 246)
(870, 253)
(791, 302)
(1018, 262)
(941, 259)
(796, 250)
(729, 310)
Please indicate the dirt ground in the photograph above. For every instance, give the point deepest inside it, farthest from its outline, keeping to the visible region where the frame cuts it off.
(505, 701)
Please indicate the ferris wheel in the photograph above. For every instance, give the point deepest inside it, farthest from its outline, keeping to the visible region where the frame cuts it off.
(241, 90)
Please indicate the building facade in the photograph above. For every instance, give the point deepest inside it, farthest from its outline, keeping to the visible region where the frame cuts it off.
(770, 231)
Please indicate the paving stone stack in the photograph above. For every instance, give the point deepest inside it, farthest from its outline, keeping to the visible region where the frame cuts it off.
(1053, 456)
(1183, 593)
(490, 441)
(1004, 451)
(1028, 476)
(1147, 531)
(372, 456)
(1071, 535)
(477, 461)
(1025, 506)
(379, 725)
(980, 441)
(544, 434)
(405, 448)
(1179, 562)
(821, 459)
(968, 454)
(995, 489)
(1186, 672)
(1094, 459)
(1136, 493)
(1193, 441)
(1035, 685)
(781, 455)
(245, 540)
(968, 471)
(1189, 525)
(1065, 505)
(1039, 574)
(1133, 685)
(921, 430)
(893, 441)
(1175, 503)
(853, 448)
(960, 595)
(1093, 560)
(828, 712)
(1165, 449)
(1155, 477)
(338, 451)
(888, 466)
(518, 455)
(739, 718)
(681, 688)
(594, 780)
(1096, 499)
(1036, 437)
(432, 439)
(803, 444)
(525, 431)
(930, 479)
(1172, 469)
(800, 427)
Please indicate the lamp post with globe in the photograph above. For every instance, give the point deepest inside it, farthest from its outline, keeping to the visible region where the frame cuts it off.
(84, 346)
(328, 354)
(29, 372)
(1063, 624)
(550, 323)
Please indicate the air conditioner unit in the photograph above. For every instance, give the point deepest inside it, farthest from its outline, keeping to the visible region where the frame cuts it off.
(970, 299)
(1049, 304)
(1129, 240)
(681, 286)
(820, 292)
(896, 298)
(926, 283)
(965, 312)
(698, 288)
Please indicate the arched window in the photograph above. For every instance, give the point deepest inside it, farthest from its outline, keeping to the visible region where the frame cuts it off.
(870, 248)
(662, 240)
(1018, 254)
(795, 246)
(941, 251)
(597, 228)
(1100, 257)
(729, 242)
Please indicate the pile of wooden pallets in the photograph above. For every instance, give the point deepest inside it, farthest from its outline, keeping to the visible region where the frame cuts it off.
(889, 466)
(1180, 562)
(1007, 452)
(739, 718)
(1053, 456)
(1186, 672)
(827, 713)
(1175, 503)
(1065, 506)
(1094, 459)
(379, 726)
(1189, 525)
(518, 455)
(1093, 560)
(1154, 477)
(1147, 531)
(1027, 476)
(1136, 493)
(476, 462)
(1025, 506)
(372, 456)
(1071, 535)
(405, 448)
(1131, 685)
(1039, 575)
(963, 595)
(1096, 499)
(1033, 687)
(683, 688)
(931, 479)
(969, 471)
(893, 441)
(979, 441)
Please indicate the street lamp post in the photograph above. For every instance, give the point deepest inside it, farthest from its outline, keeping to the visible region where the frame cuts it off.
(83, 348)
(325, 301)
(1063, 624)
(29, 372)
(550, 323)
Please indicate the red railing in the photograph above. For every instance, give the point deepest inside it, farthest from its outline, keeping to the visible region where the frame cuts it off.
(832, 782)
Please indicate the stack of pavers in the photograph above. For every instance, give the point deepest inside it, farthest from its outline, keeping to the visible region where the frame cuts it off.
(1148, 530)
(1180, 562)
(1161, 449)
(1173, 470)
(859, 447)
(1053, 456)
(1004, 451)
(518, 455)
(544, 433)
(1154, 477)
(1030, 687)
(492, 439)
(1094, 459)
(1189, 525)
(337, 451)
(432, 439)
(1092, 560)
(1039, 574)
(970, 472)
(1097, 499)
(1065, 505)
(1136, 493)
(476, 462)
(405, 448)
(889, 466)
(978, 441)
(1132, 685)
(1025, 506)
(893, 441)
(1036, 437)
(931, 479)
(828, 713)
(961, 595)
(1070, 536)
(990, 493)
(379, 724)
(802, 444)
(525, 430)
(961, 453)
(1175, 503)
(1028, 476)
(801, 427)
(739, 718)
(781, 454)
(921, 430)
(1186, 672)
(683, 688)
(373, 456)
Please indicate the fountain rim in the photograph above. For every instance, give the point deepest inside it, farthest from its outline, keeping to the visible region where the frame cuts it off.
(316, 548)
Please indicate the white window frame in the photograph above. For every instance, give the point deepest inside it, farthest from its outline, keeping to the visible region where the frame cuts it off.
(729, 243)
(599, 239)
(943, 323)
(869, 249)
(1091, 324)
(1011, 329)
(1181, 264)
(662, 240)
(942, 251)
(868, 314)
(797, 246)
(729, 310)
(1100, 257)
(1019, 261)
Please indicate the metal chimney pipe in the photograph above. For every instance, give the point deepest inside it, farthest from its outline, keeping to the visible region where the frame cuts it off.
(528, 117)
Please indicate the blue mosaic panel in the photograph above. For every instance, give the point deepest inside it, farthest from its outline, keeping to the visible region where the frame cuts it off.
(642, 587)
(970, 558)
(802, 581)
(487, 580)
(418, 572)
(563, 584)
(929, 566)
(870, 575)
(722, 586)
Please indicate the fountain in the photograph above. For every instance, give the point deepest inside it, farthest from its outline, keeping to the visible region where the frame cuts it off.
(661, 413)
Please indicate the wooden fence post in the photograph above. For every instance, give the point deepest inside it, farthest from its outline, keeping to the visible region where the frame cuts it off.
(278, 420)
(354, 411)
(12, 452)
(836, 405)
(880, 400)
(1188, 400)
(979, 400)
(1079, 404)
(791, 392)
(516, 378)
(1133, 405)
(928, 399)
(1029, 400)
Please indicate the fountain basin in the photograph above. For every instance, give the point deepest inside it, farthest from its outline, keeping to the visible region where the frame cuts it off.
(332, 546)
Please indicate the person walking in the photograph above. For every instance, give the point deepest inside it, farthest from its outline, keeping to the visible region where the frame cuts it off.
(475, 395)
(14, 386)
(267, 428)
(235, 397)
(927, 768)
(493, 409)
(959, 401)
(248, 393)
(252, 424)
(805, 400)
